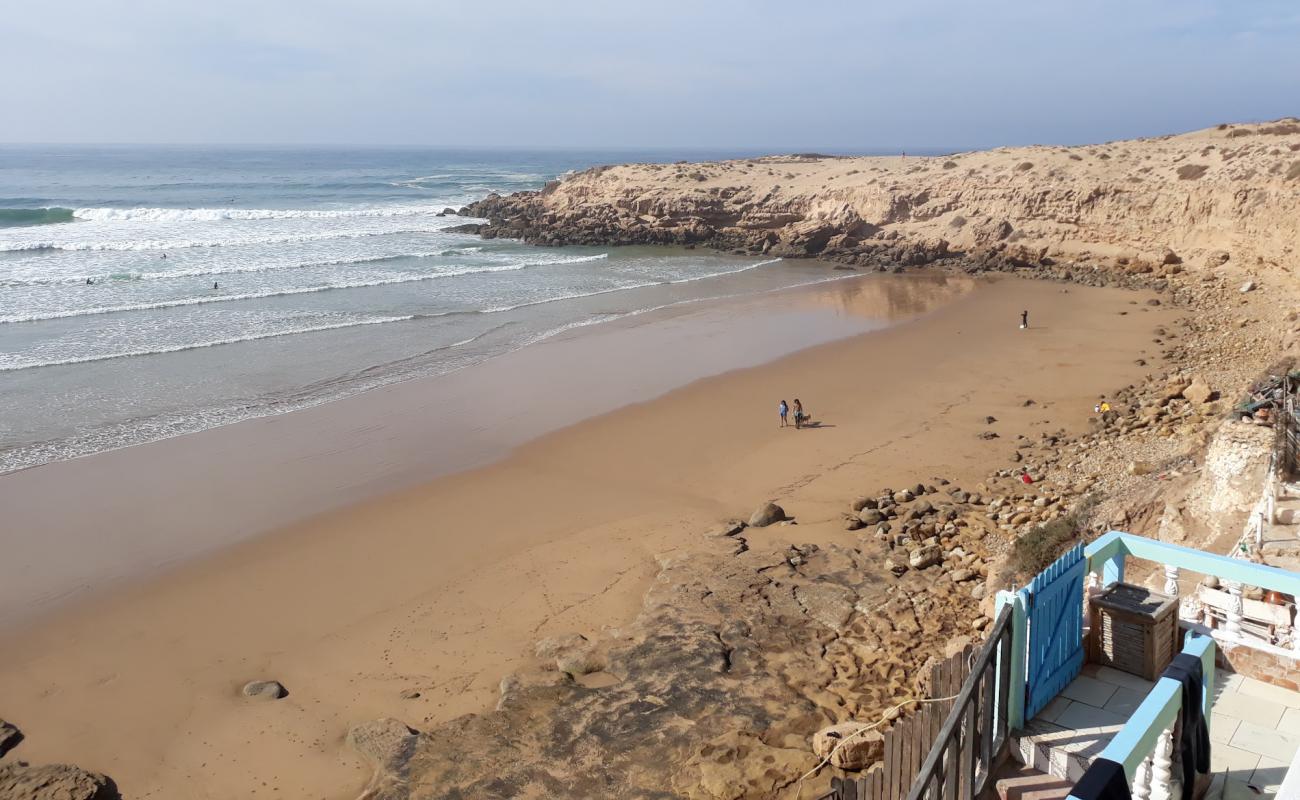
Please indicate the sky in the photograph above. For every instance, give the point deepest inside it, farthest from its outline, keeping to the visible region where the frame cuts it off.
(847, 76)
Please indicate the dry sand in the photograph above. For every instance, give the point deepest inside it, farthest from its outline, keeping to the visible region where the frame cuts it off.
(441, 587)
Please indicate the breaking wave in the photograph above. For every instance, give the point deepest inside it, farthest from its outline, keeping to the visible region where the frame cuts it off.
(227, 298)
(22, 217)
(5, 367)
(216, 214)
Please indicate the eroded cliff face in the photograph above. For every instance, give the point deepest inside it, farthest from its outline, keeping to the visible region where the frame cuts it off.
(1196, 200)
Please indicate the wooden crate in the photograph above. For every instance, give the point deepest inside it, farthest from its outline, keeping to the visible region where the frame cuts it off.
(1133, 629)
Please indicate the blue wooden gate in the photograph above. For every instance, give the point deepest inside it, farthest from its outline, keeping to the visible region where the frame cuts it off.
(1055, 630)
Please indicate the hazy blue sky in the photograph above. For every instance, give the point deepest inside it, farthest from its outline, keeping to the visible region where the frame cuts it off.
(780, 75)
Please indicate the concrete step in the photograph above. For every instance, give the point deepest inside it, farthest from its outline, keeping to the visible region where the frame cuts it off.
(1064, 753)
(1029, 784)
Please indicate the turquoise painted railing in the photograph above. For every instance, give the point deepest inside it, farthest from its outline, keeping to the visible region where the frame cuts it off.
(1109, 551)
(1136, 741)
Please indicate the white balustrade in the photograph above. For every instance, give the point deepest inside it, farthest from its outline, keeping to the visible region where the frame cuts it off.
(1232, 626)
(1142, 780)
(1171, 580)
(1163, 785)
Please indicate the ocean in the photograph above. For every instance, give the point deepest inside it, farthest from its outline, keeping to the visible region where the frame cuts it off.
(149, 292)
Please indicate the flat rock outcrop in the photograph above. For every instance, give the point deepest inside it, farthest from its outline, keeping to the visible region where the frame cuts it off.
(736, 660)
(19, 781)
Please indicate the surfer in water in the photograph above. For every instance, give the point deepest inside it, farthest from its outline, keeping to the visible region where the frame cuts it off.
(90, 281)
(214, 284)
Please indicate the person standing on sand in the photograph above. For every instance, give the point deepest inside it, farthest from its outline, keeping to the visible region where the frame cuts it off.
(798, 414)
(1024, 320)
(783, 410)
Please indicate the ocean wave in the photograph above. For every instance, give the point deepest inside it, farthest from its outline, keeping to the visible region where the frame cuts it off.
(10, 367)
(216, 214)
(18, 246)
(227, 298)
(24, 217)
(746, 268)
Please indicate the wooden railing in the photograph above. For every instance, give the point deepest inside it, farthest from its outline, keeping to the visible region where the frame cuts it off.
(908, 741)
(949, 746)
(962, 758)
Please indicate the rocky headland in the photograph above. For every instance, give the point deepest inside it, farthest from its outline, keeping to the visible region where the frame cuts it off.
(1229, 194)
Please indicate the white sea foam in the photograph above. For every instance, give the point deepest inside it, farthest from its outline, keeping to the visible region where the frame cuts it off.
(227, 298)
(7, 365)
(19, 245)
(747, 268)
(215, 214)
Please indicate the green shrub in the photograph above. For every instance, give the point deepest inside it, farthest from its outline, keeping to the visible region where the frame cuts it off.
(1045, 543)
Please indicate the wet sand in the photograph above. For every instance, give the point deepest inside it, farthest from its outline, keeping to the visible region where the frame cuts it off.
(441, 586)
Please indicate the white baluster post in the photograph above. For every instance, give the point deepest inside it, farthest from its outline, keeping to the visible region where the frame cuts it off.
(1233, 613)
(1171, 581)
(1162, 768)
(1142, 780)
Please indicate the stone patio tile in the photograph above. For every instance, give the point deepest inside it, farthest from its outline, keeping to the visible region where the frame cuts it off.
(1240, 763)
(1118, 677)
(1125, 701)
(1082, 715)
(1053, 709)
(1267, 742)
(1089, 690)
(1222, 728)
(1267, 691)
(1243, 706)
(1290, 722)
(1269, 774)
(1237, 789)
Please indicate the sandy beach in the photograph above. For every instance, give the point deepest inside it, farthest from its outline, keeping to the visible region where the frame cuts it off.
(401, 583)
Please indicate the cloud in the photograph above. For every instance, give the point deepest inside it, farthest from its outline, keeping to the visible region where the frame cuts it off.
(729, 72)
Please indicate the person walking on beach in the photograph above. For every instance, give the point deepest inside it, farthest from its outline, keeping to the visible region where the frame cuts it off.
(798, 414)
(1024, 320)
(783, 410)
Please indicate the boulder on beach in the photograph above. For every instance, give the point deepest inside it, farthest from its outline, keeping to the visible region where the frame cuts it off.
(10, 736)
(19, 781)
(265, 690)
(871, 516)
(1198, 391)
(926, 556)
(849, 745)
(767, 514)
